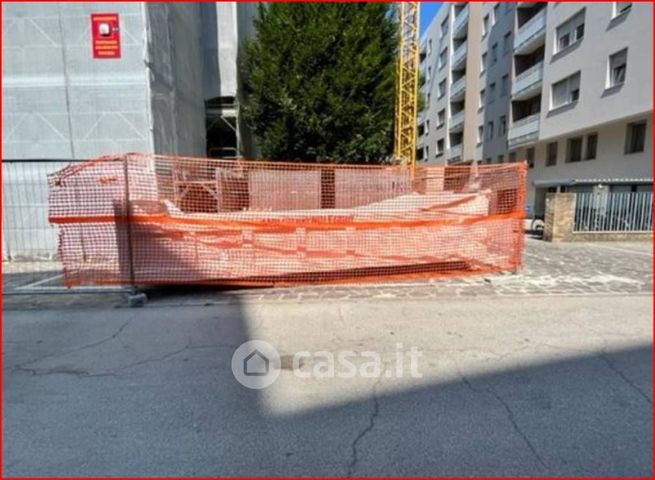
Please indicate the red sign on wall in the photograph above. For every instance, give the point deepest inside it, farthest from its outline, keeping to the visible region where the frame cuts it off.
(105, 35)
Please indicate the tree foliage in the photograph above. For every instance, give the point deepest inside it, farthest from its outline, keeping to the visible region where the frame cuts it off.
(319, 81)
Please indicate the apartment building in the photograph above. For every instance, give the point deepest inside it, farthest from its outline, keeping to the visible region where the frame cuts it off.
(566, 87)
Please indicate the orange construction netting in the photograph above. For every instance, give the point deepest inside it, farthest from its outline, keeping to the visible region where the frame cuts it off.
(139, 219)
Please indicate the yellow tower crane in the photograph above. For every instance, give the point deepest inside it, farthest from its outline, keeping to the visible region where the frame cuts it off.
(407, 84)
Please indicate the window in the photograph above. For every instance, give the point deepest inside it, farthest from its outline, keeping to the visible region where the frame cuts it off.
(481, 98)
(504, 85)
(501, 158)
(621, 7)
(496, 13)
(574, 149)
(442, 88)
(480, 133)
(494, 53)
(635, 137)
(429, 46)
(485, 25)
(444, 27)
(502, 126)
(565, 91)
(592, 146)
(551, 154)
(427, 152)
(492, 92)
(483, 62)
(427, 126)
(429, 75)
(616, 68)
(488, 160)
(570, 31)
(512, 157)
(490, 131)
(439, 147)
(442, 58)
(441, 118)
(529, 156)
(507, 43)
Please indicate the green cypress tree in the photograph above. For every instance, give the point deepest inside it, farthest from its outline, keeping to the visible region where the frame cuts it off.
(319, 81)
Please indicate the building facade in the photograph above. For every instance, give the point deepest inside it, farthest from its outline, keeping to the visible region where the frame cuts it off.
(174, 63)
(170, 86)
(566, 87)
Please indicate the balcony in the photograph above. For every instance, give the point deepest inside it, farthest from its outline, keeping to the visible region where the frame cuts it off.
(454, 153)
(531, 35)
(423, 51)
(457, 89)
(461, 22)
(459, 57)
(528, 83)
(523, 131)
(457, 122)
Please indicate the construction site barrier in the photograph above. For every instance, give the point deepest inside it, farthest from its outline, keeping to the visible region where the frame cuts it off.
(140, 219)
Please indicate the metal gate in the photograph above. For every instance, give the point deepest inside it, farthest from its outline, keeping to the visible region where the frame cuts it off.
(613, 212)
(30, 262)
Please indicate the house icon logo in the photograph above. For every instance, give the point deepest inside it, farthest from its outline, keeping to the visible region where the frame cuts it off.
(256, 364)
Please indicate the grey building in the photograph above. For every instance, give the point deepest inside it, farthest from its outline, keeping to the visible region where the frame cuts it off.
(566, 87)
(174, 89)
(175, 75)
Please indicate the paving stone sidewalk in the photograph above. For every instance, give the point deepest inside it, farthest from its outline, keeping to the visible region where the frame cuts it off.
(548, 269)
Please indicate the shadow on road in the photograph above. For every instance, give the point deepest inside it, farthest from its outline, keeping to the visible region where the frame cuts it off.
(150, 392)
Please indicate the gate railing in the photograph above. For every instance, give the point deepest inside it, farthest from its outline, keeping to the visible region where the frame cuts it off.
(30, 263)
(613, 212)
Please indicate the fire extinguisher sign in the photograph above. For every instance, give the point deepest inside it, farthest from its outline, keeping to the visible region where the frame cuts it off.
(105, 35)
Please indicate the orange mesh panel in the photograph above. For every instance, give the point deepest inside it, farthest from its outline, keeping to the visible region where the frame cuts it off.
(147, 219)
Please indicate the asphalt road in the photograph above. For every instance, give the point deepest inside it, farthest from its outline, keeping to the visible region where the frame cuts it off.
(512, 385)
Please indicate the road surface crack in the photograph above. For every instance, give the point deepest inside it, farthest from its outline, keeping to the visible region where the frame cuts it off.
(631, 384)
(360, 436)
(517, 429)
(23, 366)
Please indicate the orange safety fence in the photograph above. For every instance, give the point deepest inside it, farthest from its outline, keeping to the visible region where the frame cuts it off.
(140, 219)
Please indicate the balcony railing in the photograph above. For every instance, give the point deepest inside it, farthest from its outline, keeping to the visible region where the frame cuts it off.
(459, 54)
(524, 130)
(455, 152)
(457, 88)
(457, 120)
(528, 80)
(461, 20)
(531, 30)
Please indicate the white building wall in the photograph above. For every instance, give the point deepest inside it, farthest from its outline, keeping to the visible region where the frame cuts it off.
(175, 74)
(603, 36)
(601, 110)
(58, 101)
